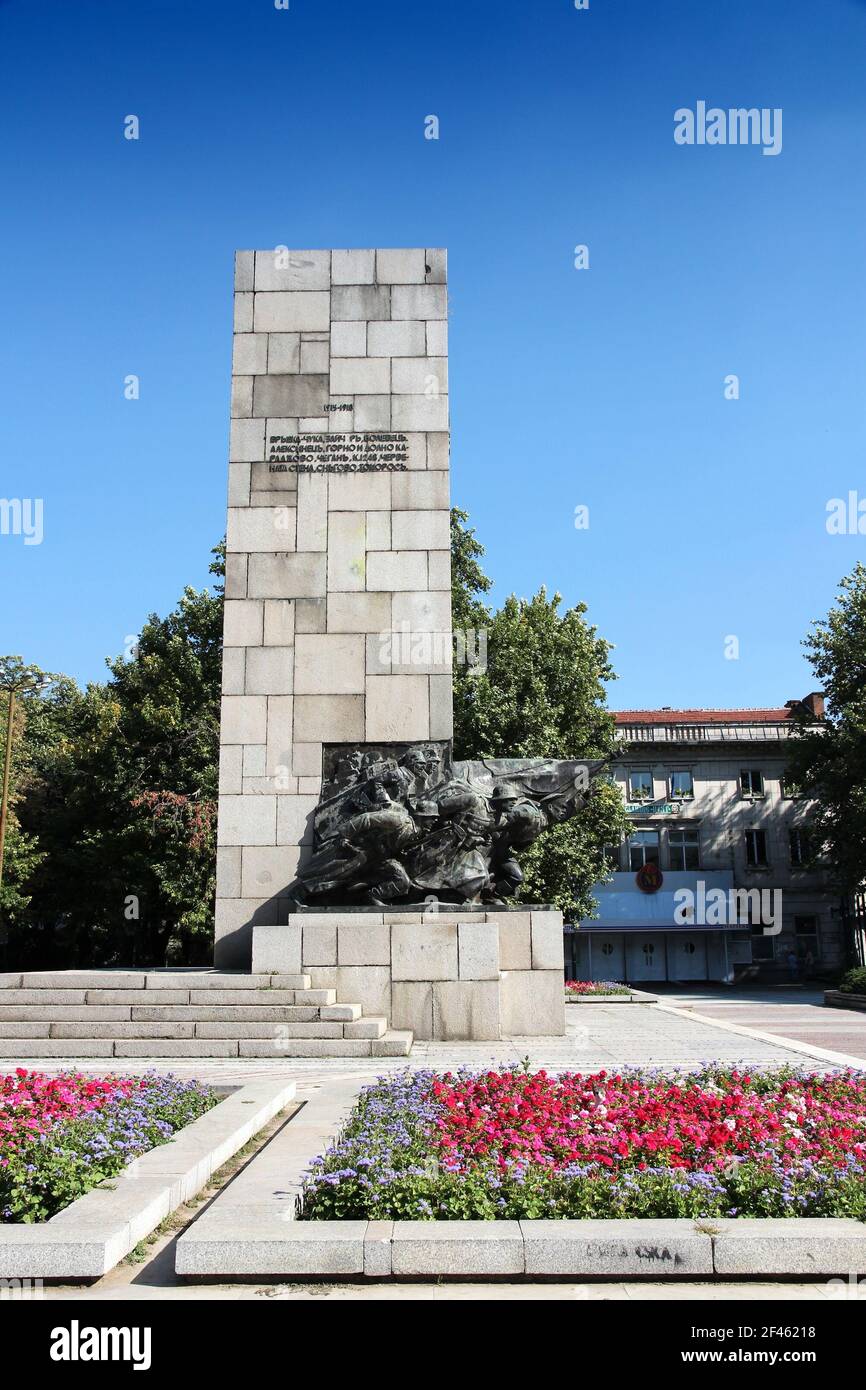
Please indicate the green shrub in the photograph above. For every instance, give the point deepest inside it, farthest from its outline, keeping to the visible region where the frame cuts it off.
(854, 981)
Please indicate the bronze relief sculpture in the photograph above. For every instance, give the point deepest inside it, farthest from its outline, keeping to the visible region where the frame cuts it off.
(401, 825)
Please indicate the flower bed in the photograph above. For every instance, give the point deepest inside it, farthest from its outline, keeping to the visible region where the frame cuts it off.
(513, 1144)
(61, 1135)
(580, 988)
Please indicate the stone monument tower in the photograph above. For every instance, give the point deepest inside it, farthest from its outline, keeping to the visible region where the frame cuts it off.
(337, 545)
(352, 849)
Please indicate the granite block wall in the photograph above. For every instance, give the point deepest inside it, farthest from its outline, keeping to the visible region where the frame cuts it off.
(337, 614)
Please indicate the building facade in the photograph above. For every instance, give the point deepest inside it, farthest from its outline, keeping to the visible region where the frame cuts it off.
(713, 882)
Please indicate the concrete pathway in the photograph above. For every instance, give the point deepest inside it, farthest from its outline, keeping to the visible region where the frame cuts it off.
(796, 1014)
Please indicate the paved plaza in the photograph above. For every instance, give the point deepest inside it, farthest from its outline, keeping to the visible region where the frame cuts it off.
(797, 1014)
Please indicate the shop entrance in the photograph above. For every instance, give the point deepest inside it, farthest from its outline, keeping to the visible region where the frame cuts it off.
(687, 957)
(645, 956)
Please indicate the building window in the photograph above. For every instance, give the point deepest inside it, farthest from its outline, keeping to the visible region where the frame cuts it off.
(756, 849)
(799, 843)
(685, 846)
(790, 788)
(643, 848)
(751, 782)
(681, 786)
(610, 855)
(640, 786)
(762, 945)
(808, 945)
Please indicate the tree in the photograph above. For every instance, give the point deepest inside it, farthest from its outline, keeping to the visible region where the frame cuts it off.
(18, 852)
(828, 758)
(540, 692)
(121, 797)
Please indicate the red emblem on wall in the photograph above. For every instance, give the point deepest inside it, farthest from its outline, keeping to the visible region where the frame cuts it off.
(649, 878)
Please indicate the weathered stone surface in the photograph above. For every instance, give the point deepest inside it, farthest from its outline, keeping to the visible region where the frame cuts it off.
(377, 1249)
(547, 941)
(367, 985)
(427, 951)
(277, 950)
(250, 1241)
(293, 311)
(319, 942)
(41, 1047)
(515, 947)
(478, 948)
(412, 1007)
(532, 1003)
(457, 1248)
(82, 979)
(466, 1009)
(622, 1249)
(395, 1043)
(363, 943)
(364, 1028)
(811, 1246)
(353, 267)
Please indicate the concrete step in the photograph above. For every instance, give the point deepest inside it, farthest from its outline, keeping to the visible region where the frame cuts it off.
(366, 1028)
(23, 1048)
(149, 979)
(261, 1032)
(397, 1042)
(119, 1030)
(213, 998)
(309, 1047)
(67, 1013)
(393, 1043)
(179, 1013)
(253, 1013)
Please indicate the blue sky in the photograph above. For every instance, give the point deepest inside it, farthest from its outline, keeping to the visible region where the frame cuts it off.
(602, 387)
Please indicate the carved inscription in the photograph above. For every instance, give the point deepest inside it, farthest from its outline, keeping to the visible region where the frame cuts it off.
(337, 453)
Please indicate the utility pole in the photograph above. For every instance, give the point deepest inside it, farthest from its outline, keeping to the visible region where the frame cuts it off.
(7, 767)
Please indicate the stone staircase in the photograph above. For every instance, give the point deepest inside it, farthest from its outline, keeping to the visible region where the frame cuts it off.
(183, 1013)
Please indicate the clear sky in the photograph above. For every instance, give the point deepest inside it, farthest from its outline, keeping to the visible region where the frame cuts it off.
(601, 387)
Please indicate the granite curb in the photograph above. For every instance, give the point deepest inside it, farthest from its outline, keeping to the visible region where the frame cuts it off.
(90, 1236)
(257, 1242)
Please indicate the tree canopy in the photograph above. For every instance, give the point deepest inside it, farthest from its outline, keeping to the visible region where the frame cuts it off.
(828, 760)
(539, 691)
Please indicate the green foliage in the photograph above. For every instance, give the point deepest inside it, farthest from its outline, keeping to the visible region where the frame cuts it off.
(829, 760)
(117, 791)
(854, 981)
(541, 694)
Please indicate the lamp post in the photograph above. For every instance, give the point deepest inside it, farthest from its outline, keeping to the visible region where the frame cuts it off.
(15, 679)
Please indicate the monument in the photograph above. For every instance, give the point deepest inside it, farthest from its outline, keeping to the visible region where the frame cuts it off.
(351, 846)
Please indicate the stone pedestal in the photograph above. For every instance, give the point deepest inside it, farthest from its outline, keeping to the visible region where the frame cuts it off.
(447, 976)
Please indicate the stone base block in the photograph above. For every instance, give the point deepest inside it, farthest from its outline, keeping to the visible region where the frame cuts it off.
(277, 949)
(454, 975)
(533, 1004)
